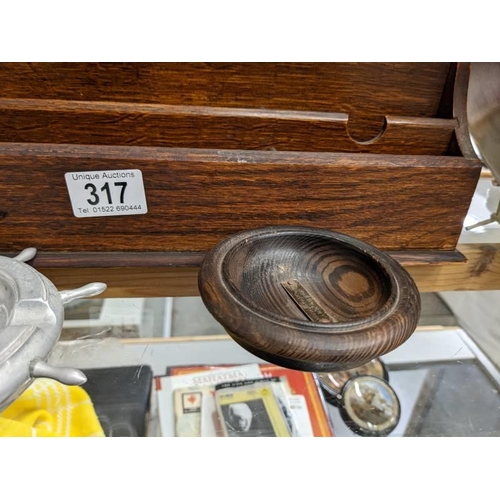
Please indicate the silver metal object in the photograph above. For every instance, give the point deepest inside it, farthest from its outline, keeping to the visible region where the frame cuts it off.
(483, 118)
(89, 290)
(65, 375)
(495, 217)
(26, 255)
(483, 113)
(31, 318)
(305, 302)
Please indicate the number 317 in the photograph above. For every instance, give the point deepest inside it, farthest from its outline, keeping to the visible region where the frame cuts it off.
(94, 197)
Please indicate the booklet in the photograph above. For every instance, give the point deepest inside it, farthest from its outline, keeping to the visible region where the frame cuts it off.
(250, 410)
(166, 386)
(280, 393)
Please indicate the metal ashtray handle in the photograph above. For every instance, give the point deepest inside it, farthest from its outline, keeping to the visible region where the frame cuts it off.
(90, 290)
(31, 319)
(65, 375)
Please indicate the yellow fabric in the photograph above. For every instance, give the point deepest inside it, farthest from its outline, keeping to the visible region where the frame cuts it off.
(48, 408)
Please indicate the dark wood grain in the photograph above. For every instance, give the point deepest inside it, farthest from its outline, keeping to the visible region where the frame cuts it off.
(432, 258)
(368, 303)
(156, 260)
(196, 198)
(446, 105)
(129, 124)
(460, 110)
(125, 260)
(366, 91)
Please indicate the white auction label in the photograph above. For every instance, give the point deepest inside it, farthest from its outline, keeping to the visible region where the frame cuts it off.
(105, 193)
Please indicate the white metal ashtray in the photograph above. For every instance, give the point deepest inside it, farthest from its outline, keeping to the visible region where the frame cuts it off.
(31, 318)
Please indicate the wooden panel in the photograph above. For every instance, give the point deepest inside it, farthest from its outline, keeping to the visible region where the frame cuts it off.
(460, 96)
(129, 260)
(126, 124)
(130, 282)
(481, 271)
(446, 105)
(196, 198)
(367, 91)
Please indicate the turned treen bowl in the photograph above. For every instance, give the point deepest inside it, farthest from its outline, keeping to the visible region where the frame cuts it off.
(309, 299)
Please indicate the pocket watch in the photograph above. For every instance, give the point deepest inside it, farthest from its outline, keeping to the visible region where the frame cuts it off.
(370, 407)
(332, 383)
(367, 403)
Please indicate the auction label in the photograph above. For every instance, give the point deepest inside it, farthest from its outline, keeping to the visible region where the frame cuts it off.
(106, 193)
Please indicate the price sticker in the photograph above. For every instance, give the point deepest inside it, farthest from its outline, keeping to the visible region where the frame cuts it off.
(106, 193)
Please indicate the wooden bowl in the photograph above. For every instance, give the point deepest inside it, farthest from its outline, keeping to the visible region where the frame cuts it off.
(309, 299)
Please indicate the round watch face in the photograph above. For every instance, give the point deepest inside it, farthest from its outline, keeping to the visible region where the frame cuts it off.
(370, 406)
(332, 383)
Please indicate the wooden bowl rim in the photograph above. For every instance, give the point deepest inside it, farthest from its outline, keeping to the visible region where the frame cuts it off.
(216, 259)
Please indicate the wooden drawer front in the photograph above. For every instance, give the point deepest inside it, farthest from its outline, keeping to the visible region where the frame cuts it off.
(195, 198)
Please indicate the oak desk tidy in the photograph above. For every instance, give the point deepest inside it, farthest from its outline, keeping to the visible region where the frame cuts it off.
(365, 149)
(353, 155)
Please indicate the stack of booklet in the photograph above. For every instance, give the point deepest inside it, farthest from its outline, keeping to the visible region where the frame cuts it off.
(240, 401)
